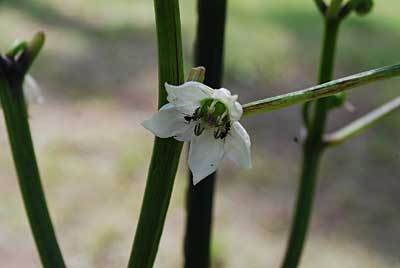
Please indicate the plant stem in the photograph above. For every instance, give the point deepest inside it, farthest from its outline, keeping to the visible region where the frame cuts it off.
(312, 151)
(208, 53)
(349, 7)
(362, 123)
(16, 118)
(321, 91)
(166, 152)
(20, 45)
(321, 6)
(333, 9)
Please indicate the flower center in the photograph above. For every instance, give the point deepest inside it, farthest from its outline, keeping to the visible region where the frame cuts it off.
(212, 114)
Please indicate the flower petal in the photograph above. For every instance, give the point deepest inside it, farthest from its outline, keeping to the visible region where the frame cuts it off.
(187, 134)
(167, 122)
(187, 96)
(205, 155)
(237, 146)
(32, 91)
(234, 107)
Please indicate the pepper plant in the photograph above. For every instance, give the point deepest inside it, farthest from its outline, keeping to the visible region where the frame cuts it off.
(205, 115)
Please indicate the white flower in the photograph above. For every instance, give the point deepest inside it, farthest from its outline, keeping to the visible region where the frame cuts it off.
(206, 118)
(32, 91)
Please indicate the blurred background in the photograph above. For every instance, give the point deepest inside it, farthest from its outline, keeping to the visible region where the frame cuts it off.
(98, 72)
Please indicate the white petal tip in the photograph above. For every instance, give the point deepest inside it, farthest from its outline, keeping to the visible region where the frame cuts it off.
(196, 180)
(168, 86)
(149, 125)
(146, 124)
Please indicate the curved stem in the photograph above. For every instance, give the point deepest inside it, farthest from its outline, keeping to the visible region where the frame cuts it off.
(312, 152)
(362, 123)
(28, 176)
(348, 8)
(16, 117)
(19, 46)
(166, 152)
(208, 53)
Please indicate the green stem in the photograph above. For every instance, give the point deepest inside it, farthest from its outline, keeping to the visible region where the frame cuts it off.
(349, 7)
(199, 204)
(362, 123)
(16, 118)
(312, 152)
(19, 46)
(166, 152)
(321, 91)
(30, 53)
(321, 6)
(334, 9)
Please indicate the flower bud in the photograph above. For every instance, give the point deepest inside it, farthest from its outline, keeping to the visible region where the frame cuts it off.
(364, 7)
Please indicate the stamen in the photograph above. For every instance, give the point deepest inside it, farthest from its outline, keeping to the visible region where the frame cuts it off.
(225, 131)
(211, 108)
(221, 118)
(197, 113)
(198, 129)
(217, 133)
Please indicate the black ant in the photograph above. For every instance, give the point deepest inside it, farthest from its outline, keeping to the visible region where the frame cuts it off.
(222, 133)
(195, 117)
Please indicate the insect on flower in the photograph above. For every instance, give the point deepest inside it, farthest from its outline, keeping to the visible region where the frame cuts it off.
(208, 119)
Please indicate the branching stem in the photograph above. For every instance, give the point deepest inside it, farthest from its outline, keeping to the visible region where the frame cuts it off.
(359, 125)
(313, 146)
(321, 91)
(16, 117)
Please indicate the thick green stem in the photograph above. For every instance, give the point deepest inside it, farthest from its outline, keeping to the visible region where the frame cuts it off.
(166, 152)
(16, 118)
(303, 208)
(312, 152)
(208, 53)
(334, 9)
